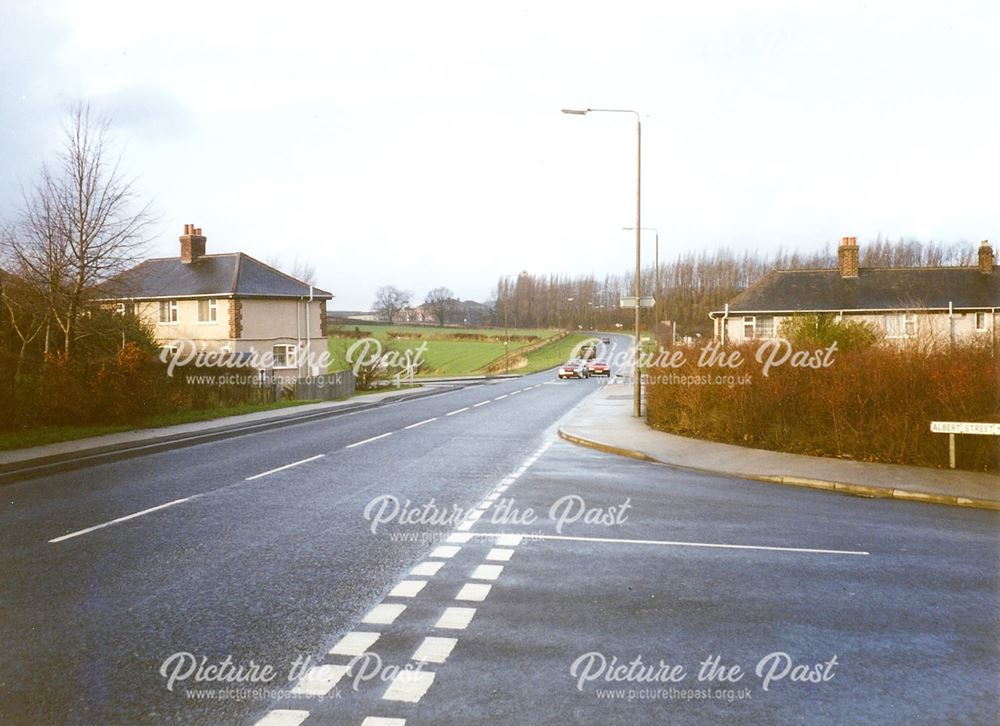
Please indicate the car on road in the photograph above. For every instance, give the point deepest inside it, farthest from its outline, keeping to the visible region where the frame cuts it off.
(598, 367)
(606, 341)
(573, 369)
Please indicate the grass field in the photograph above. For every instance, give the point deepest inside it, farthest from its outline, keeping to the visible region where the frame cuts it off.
(41, 435)
(450, 351)
(464, 351)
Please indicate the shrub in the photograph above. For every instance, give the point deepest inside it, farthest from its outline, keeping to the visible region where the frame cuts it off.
(873, 403)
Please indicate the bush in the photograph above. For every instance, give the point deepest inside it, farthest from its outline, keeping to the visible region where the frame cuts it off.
(873, 403)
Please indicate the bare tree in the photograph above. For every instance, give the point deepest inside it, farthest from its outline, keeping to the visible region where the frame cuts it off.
(80, 223)
(301, 270)
(389, 301)
(24, 310)
(441, 301)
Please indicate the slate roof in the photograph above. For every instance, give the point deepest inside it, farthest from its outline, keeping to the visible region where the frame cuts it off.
(224, 275)
(917, 288)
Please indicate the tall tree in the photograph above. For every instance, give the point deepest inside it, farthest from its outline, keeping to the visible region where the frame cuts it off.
(441, 301)
(389, 301)
(80, 224)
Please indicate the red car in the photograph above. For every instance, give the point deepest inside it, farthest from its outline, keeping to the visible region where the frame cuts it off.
(598, 368)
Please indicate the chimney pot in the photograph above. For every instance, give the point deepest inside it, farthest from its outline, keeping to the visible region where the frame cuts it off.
(847, 257)
(986, 259)
(192, 244)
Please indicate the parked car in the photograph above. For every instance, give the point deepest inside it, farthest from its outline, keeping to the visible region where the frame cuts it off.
(573, 369)
(598, 368)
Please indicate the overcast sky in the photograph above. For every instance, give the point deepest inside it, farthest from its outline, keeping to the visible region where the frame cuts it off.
(420, 144)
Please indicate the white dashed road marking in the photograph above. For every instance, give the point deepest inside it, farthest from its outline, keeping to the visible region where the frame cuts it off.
(355, 643)
(283, 717)
(286, 466)
(434, 650)
(487, 572)
(379, 721)
(455, 618)
(368, 441)
(459, 537)
(408, 588)
(481, 403)
(120, 519)
(419, 423)
(409, 686)
(466, 408)
(426, 569)
(445, 551)
(319, 680)
(473, 592)
(500, 398)
(499, 555)
(383, 614)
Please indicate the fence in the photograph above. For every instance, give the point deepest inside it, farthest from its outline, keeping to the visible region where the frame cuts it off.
(324, 388)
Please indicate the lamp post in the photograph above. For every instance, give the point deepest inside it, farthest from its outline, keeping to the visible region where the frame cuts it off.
(637, 373)
(656, 275)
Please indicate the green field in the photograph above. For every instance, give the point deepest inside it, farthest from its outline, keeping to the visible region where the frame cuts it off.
(453, 351)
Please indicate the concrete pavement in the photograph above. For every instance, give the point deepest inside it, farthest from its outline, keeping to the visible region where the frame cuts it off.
(604, 421)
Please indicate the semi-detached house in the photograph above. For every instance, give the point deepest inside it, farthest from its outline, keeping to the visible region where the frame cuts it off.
(229, 303)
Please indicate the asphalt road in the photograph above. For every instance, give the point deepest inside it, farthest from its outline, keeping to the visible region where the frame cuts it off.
(276, 566)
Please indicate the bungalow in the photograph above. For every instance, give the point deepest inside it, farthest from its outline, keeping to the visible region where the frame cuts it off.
(944, 303)
(226, 303)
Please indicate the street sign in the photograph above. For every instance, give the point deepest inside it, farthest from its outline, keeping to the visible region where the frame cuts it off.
(644, 302)
(965, 427)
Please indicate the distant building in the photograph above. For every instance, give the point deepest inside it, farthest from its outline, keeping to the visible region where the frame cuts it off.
(224, 302)
(945, 303)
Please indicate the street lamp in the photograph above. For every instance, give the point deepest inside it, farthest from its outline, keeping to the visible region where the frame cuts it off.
(656, 275)
(637, 374)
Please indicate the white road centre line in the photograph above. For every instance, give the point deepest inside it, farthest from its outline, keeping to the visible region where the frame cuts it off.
(498, 554)
(500, 398)
(319, 680)
(514, 393)
(355, 643)
(409, 686)
(459, 410)
(419, 423)
(493, 496)
(368, 441)
(509, 540)
(286, 466)
(379, 721)
(426, 569)
(116, 521)
(408, 588)
(383, 614)
(455, 618)
(487, 572)
(481, 403)
(473, 592)
(434, 650)
(502, 539)
(283, 717)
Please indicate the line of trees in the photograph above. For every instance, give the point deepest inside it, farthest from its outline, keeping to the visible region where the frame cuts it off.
(690, 285)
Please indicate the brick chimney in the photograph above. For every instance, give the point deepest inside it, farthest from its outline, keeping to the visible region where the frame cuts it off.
(192, 244)
(847, 256)
(985, 258)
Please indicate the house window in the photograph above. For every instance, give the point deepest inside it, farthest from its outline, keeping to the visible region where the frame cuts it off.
(901, 325)
(284, 356)
(981, 322)
(764, 328)
(208, 311)
(749, 326)
(168, 311)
